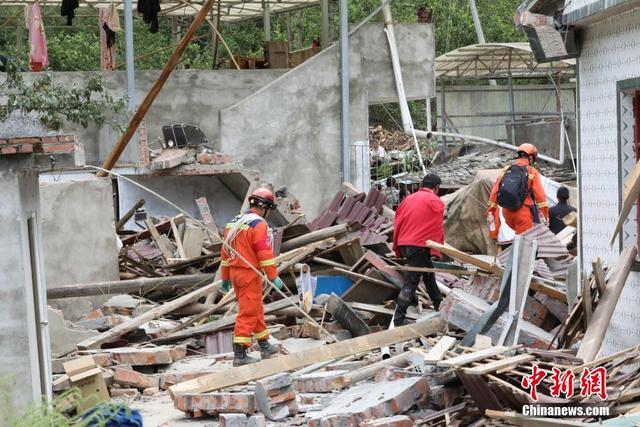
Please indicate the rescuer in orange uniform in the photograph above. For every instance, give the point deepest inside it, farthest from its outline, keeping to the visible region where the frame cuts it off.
(529, 195)
(249, 234)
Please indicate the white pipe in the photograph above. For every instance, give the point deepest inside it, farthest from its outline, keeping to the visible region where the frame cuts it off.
(407, 123)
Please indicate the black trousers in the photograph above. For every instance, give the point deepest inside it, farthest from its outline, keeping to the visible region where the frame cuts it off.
(416, 257)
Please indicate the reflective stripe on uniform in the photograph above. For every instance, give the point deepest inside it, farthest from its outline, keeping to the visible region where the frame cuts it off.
(542, 204)
(492, 205)
(224, 263)
(242, 340)
(262, 335)
(268, 262)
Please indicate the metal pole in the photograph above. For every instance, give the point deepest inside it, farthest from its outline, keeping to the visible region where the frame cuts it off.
(266, 20)
(128, 41)
(512, 109)
(428, 108)
(344, 86)
(478, 25)
(324, 23)
(443, 119)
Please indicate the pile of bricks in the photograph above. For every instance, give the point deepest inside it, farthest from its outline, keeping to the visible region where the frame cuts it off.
(39, 144)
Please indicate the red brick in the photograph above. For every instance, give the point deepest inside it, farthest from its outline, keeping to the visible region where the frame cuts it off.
(233, 420)
(395, 421)
(58, 148)
(178, 352)
(151, 391)
(49, 139)
(317, 382)
(216, 403)
(66, 138)
(25, 140)
(129, 392)
(214, 158)
(142, 356)
(8, 150)
(343, 420)
(3, 141)
(129, 377)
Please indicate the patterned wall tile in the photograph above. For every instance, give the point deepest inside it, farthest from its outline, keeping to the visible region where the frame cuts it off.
(610, 53)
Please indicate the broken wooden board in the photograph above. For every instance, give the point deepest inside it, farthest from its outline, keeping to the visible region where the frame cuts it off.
(346, 316)
(159, 311)
(193, 239)
(207, 217)
(293, 361)
(465, 359)
(499, 364)
(597, 327)
(536, 285)
(437, 353)
(380, 309)
(161, 243)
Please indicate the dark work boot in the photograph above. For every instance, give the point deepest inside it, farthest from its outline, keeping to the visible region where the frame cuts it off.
(240, 357)
(436, 304)
(402, 304)
(266, 349)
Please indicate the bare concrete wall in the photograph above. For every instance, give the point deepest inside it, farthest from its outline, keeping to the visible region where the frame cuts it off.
(79, 238)
(290, 130)
(19, 354)
(189, 96)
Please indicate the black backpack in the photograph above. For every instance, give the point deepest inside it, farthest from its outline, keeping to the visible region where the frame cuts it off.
(514, 187)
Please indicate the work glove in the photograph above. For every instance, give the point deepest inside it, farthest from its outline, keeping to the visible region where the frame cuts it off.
(278, 283)
(225, 286)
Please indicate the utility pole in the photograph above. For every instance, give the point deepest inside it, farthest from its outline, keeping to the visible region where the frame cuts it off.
(478, 25)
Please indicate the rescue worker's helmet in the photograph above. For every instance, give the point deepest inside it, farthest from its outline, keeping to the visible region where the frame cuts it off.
(262, 198)
(529, 150)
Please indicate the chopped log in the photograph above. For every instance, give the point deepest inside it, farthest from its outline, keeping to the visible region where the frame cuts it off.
(314, 236)
(159, 311)
(128, 214)
(138, 286)
(594, 335)
(353, 377)
(293, 361)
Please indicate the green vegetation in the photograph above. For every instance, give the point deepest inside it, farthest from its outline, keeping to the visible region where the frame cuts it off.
(77, 47)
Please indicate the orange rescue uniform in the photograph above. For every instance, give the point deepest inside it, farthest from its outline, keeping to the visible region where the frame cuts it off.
(520, 220)
(253, 243)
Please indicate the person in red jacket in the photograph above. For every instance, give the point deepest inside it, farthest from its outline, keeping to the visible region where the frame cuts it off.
(249, 235)
(420, 217)
(523, 218)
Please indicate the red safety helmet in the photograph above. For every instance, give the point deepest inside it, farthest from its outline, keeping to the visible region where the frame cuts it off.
(262, 197)
(529, 150)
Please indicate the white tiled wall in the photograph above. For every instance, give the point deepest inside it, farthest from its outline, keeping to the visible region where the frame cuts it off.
(610, 53)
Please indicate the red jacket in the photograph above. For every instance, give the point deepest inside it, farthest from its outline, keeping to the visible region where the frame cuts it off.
(420, 217)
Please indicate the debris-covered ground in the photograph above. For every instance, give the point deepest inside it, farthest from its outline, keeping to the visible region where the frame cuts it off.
(504, 336)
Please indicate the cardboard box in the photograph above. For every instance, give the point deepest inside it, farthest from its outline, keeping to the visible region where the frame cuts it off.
(87, 377)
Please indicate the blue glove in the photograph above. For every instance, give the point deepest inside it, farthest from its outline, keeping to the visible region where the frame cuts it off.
(278, 283)
(225, 286)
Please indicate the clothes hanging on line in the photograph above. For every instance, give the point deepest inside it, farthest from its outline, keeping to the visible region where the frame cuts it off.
(150, 10)
(67, 8)
(38, 54)
(109, 22)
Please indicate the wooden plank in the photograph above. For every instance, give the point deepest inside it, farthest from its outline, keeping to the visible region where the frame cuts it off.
(330, 263)
(138, 286)
(598, 274)
(128, 214)
(587, 300)
(162, 244)
(365, 278)
(162, 227)
(178, 239)
(223, 323)
(458, 272)
(193, 239)
(207, 217)
(536, 285)
(465, 359)
(353, 377)
(314, 236)
(159, 311)
(597, 327)
(293, 361)
(499, 364)
(439, 350)
(379, 309)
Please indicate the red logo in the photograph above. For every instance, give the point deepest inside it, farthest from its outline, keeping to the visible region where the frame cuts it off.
(592, 381)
